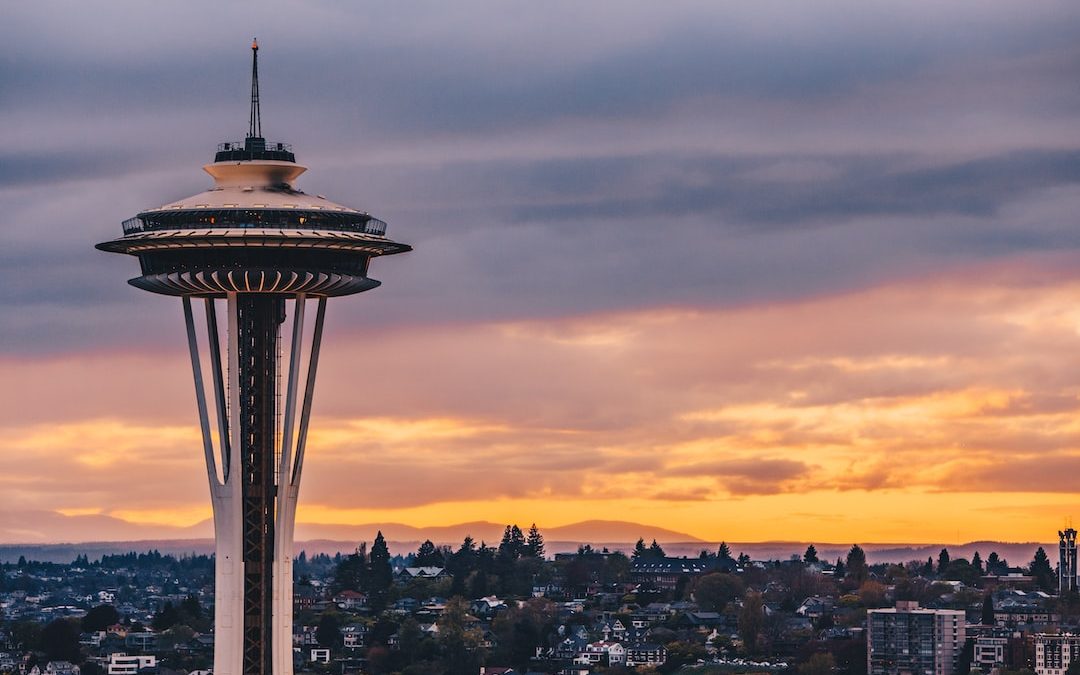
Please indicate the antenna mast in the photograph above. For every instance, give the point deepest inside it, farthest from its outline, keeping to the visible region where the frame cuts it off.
(254, 121)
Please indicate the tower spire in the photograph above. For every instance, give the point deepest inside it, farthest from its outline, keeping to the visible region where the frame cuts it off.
(254, 121)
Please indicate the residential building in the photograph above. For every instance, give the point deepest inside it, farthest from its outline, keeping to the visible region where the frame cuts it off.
(1054, 653)
(124, 664)
(909, 640)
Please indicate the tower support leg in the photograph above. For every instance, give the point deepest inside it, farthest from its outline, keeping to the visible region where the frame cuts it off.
(255, 497)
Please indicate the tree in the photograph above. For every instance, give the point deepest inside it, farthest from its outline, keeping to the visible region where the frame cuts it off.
(328, 632)
(351, 572)
(751, 619)
(724, 553)
(100, 618)
(460, 644)
(409, 637)
(977, 563)
(928, 568)
(872, 594)
(961, 570)
(166, 618)
(428, 556)
(60, 641)
(655, 550)
(988, 609)
(714, 591)
(840, 570)
(534, 543)
(26, 635)
(856, 564)
(380, 575)
(818, 664)
(810, 557)
(513, 543)
(1042, 571)
(943, 561)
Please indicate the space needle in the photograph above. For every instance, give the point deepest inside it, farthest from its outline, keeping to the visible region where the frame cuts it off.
(258, 248)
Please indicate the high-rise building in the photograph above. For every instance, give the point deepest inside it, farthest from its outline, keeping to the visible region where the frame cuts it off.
(259, 248)
(909, 640)
(1067, 561)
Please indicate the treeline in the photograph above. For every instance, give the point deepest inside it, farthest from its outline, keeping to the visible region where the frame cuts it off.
(475, 570)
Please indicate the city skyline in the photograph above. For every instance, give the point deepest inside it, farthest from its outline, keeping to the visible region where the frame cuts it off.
(770, 273)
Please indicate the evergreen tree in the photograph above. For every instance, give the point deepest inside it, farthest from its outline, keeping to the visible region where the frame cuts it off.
(534, 544)
(351, 571)
(996, 565)
(380, 575)
(655, 550)
(928, 568)
(977, 563)
(512, 545)
(988, 609)
(943, 561)
(724, 552)
(856, 564)
(428, 556)
(840, 570)
(328, 633)
(1042, 571)
(810, 557)
(743, 560)
(640, 551)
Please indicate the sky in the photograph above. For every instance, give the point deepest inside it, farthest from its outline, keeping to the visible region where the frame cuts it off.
(750, 271)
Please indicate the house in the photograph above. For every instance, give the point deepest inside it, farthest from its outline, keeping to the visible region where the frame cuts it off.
(664, 573)
(645, 654)
(700, 620)
(816, 606)
(487, 607)
(605, 652)
(61, 668)
(304, 597)
(141, 642)
(350, 600)
(432, 573)
(354, 636)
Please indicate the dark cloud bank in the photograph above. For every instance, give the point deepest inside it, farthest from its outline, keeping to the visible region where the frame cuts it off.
(566, 161)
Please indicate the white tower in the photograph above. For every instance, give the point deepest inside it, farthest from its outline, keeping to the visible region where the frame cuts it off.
(260, 248)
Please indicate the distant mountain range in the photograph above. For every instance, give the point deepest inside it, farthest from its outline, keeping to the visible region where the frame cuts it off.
(33, 534)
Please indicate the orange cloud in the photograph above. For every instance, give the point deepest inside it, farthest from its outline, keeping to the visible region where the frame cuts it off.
(869, 414)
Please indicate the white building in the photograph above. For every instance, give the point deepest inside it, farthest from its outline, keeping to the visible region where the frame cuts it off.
(1054, 653)
(989, 652)
(123, 664)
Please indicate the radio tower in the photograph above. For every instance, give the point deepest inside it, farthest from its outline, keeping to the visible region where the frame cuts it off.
(260, 249)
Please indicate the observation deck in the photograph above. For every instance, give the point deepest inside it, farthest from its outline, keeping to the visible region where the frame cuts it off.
(253, 232)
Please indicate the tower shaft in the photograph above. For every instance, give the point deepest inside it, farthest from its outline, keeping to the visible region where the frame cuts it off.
(258, 320)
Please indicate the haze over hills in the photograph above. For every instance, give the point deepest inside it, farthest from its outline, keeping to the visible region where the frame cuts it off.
(34, 534)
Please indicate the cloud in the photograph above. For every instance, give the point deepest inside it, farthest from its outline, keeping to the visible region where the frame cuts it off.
(567, 162)
(746, 476)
